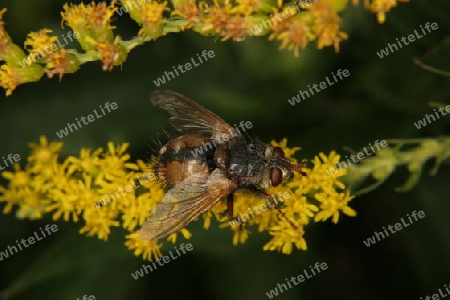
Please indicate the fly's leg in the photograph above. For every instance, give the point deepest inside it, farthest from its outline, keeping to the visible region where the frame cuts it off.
(230, 206)
(274, 203)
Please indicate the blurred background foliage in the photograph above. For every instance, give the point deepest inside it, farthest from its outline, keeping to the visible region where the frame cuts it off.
(252, 81)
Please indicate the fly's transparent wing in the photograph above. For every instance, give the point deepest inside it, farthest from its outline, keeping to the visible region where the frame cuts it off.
(190, 117)
(184, 202)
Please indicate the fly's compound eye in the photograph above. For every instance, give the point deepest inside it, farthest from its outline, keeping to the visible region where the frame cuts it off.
(276, 176)
(278, 152)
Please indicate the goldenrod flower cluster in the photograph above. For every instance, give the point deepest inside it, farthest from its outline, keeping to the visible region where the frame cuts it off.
(294, 24)
(103, 189)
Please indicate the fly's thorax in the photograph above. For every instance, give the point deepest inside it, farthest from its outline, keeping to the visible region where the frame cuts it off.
(245, 160)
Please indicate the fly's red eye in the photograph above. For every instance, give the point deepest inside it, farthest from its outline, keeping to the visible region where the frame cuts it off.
(276, 176)
(277, 151)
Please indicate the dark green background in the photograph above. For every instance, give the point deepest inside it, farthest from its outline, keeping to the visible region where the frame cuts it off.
(252, 81)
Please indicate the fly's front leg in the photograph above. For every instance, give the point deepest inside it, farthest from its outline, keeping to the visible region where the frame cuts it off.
(270, 199)
(261, 194)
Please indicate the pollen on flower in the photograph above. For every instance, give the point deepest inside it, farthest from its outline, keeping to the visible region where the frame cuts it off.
(59, 63)
(100, 15)
(380, 7)
(217, 18)
(75, 15)
(329, 33)
(111, 54)
(94, 16)
(39, 43)
(236, 28)
(188, 11)
(298, 34)
(92, 21)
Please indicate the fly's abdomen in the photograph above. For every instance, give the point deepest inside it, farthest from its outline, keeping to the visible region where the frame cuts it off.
(183, 157)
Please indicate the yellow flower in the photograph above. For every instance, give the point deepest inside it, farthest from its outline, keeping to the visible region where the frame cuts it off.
(139, 209)
(285, 237)
(12, 76)
(189, 11)
(92, 21)
(111, 54)
(217, 17)
(381, 7)
(329, 33)
(87, 162)
(326, 24)
(43, 153)
(61, 62)
(240, 235)
(184, 232)
(40, 43)
(146, 248)
(114, 162)
(32, 204)
(150, 15)
(19, 179)
(234, 20)
(295, 34)
(103, 189)
(247, 7)
(42, 47)
(227, 22)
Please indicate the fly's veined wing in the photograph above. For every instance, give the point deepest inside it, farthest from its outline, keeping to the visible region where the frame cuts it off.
(184, 202)
(190, 117)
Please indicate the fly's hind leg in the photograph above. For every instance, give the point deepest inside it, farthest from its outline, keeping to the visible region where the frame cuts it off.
(230, 205)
